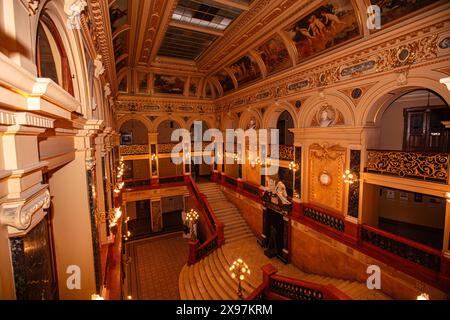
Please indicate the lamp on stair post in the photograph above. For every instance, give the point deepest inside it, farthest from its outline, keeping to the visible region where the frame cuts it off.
(192, 216)
(238, 270)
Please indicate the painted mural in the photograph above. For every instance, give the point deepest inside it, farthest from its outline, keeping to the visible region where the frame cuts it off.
(118, 14)
(333, 23)
(142, 82)
(394, 9)
(169, 84)
(193, 86)
(209, 91)
(275, 55)
(225, 81)
(245, 70)
(120, 44)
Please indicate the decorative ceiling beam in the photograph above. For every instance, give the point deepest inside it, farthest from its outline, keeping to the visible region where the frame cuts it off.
(193, 27)
(234, 4)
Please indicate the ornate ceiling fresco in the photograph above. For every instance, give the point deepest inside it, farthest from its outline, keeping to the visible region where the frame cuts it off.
(209, 48)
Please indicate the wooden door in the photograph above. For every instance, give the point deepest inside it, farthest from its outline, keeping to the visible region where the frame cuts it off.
(415, 138)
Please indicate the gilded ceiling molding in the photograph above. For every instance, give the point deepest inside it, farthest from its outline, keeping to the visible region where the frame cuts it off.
(157, 25)
(239, 32)
(392, 55)
(102, 31)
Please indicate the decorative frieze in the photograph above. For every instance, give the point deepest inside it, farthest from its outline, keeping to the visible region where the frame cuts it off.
(383, 58)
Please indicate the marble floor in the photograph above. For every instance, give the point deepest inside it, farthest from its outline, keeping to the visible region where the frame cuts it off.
(156, 265)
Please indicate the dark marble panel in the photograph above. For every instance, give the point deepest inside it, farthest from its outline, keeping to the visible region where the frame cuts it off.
(94, 230)
(353, 196)
(32, 264)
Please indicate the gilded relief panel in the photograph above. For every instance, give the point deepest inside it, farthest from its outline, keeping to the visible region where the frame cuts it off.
(326, 166)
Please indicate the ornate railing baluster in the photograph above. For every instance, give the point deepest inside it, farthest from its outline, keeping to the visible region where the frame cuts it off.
(417, 165)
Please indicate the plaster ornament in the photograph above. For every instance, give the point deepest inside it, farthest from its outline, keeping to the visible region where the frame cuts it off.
(402, 78)
(33, 5)
(73, 9)
(107, 89)
(278, 189)
(99, 68)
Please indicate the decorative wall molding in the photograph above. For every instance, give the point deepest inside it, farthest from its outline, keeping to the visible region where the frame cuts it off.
(19, 213)
(25, 119)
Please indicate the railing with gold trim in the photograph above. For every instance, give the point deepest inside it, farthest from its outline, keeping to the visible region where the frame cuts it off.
(417, 165)
(280, 287)
(133, 149)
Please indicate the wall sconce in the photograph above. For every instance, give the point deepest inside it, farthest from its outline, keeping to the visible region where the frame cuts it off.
(238, 270)
(348, 177)
(115, 217)
(154, 157)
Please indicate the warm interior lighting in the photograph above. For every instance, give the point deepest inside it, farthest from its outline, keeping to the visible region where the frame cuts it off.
(154, 156)
(238, 270)
(447, 195)
(423, 296)
(129, 297)
(348, 177)
(96, 297)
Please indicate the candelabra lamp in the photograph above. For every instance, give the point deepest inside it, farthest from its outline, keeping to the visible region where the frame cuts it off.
(238, 270)
(294, 168)
(192, 217)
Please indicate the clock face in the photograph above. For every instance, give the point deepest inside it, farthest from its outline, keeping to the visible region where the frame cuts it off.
(325, 178)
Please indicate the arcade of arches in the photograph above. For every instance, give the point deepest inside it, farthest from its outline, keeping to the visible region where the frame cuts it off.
(95, 205)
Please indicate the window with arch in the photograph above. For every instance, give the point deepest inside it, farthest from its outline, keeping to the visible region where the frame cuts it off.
(51, 58)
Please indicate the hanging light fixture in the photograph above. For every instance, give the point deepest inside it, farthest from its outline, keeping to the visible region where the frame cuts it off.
(348, 177)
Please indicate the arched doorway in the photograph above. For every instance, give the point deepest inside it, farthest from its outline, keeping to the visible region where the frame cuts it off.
(199, 169)
(414, 122)
(286, 141)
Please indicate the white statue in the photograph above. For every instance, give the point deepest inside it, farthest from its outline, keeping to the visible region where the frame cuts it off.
(281, 192)
(73, 9)
(271, 185)
(99, 68)
(279, 189)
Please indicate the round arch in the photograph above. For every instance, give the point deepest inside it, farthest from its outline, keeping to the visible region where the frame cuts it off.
(181, 123)
(209, 122)
(379, 97)
(337, 100)
(271, 116)
(71, 41)
(137, 117)
(247, 115)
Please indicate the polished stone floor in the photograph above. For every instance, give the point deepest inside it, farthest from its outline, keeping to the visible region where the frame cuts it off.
(156, 265)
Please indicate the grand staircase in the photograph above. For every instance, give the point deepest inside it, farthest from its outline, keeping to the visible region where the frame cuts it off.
(209, 279)
(235, 227)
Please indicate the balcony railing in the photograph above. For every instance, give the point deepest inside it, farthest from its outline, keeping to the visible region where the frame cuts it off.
(325, 218)
(133, 149)
(286, 152)
(196, 251)
(280, 287)
(415, 252)
(417, 165)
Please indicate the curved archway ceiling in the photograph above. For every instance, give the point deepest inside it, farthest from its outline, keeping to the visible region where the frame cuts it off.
(195, 32)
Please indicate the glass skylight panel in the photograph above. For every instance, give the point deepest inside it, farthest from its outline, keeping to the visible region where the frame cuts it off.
(205, 14)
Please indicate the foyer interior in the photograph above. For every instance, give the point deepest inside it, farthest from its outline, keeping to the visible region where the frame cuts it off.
(110, 111)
